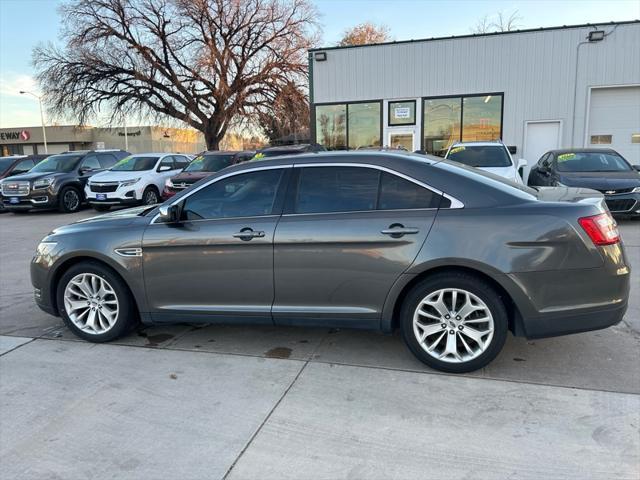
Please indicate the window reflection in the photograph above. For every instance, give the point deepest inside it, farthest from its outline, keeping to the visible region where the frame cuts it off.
(364, 125)
(481, 118)
(331, 126)
(441, 124)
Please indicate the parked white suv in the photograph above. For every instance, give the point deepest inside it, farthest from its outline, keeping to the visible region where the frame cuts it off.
(492, 157)
(134, 180)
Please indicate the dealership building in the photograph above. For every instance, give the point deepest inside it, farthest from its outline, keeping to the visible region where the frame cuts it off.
(571, 86)
(30, 140)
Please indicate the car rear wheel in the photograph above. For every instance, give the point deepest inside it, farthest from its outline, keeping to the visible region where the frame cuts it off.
(70, 200)
(95, 303)
(150, 196)
(454, 322)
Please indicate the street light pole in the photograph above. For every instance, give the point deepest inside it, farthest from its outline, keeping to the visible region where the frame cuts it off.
(44, 131)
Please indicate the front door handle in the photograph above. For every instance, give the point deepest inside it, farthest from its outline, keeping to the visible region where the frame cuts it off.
(247, 234)
(398, 230)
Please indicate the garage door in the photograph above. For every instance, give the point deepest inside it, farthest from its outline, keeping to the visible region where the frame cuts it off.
(614, 121)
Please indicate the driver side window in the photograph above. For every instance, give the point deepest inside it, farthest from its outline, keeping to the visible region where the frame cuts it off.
(91, 162)
(244, 195)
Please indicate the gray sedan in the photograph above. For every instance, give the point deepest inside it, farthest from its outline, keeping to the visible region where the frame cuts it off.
(453, 257)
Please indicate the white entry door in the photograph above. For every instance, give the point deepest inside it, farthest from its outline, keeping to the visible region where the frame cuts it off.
(539, 137)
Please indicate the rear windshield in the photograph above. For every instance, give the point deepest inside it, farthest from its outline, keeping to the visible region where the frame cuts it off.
(58, 163)
(210, 163)
(592, 162)
(135, 164)
(480, 156)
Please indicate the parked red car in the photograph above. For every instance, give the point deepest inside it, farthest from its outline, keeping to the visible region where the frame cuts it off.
(205, 164)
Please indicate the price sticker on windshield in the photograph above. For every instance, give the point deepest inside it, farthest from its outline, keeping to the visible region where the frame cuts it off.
(456, 150)
(566, 156)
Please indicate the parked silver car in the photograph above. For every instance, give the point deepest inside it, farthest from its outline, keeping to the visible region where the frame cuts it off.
(452, 256)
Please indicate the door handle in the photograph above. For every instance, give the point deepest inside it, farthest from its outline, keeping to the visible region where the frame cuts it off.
(247, 234)
(397, 230)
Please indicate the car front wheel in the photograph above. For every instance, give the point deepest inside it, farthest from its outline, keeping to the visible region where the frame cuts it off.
(454, 322)
(95, 303)
(150, 196)
(70, 200)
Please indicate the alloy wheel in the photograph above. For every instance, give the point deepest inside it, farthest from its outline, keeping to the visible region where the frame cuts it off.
(453, 325)
(91, 303)
(150, 198)
(71, 200)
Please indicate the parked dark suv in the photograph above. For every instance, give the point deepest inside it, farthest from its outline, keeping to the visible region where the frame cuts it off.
(205, 164)
(57, 181)
(15, 165)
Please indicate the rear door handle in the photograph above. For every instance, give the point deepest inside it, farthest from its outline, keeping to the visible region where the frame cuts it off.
(397, 230)
(247, 234)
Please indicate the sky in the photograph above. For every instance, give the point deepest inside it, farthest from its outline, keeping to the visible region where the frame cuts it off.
(26, 23)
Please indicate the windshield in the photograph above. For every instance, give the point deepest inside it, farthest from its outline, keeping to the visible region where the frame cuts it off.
(58, 163)
(592, 162)
(6, 163)
(480, 155)
(135, 164)
(209, 163)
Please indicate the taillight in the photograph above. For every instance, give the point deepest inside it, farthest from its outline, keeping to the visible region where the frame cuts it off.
(602, 229)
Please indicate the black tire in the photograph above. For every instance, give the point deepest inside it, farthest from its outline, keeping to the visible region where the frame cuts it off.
(462, 281)
(69, 200)
(102, 208)
(127, 317)
(150, 196)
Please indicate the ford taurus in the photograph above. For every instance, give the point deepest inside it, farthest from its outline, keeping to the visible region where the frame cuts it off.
(453, 257)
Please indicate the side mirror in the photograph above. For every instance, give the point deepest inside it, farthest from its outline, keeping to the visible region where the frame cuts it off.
(637, 167)
(512, 149)
(84, 170)
(522, 163)
(169, 213)
(164, 168)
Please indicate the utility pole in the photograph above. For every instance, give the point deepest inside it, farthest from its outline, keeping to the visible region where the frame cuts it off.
(44, 131)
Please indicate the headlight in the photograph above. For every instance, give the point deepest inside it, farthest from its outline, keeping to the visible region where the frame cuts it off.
(128, 183)
(558, 184)
(45, 248)
(168, 183)
(636, 190)
(43, 183)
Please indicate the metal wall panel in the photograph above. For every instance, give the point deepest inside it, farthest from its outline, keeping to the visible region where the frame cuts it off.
(535, 70)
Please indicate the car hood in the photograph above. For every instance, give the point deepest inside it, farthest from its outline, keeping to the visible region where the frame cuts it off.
(190, 177)
(120, 218)
(600, 180)
(31, 176)
(506, 172)
(110, 176)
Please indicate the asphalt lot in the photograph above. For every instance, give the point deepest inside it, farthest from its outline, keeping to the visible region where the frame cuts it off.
(260, 402)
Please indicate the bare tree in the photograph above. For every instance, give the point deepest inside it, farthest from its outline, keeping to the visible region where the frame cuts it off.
(203, 62)
(502, 23)
(365, 33)
(288, 118)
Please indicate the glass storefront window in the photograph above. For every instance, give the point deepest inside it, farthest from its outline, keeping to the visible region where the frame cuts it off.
(402, 113)
(474, 118)
(481, 118)
(364, 125)
(331, 126)
(441, 124)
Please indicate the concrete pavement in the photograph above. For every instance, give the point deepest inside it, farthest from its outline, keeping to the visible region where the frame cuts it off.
(264, 402)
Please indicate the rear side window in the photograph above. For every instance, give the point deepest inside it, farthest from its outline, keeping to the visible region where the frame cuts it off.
(107, 160)
(397, 193)
(336, 189)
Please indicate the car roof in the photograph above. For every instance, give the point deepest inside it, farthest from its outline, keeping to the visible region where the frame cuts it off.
(582, 150)
(225, 152)
(342, 156)
(287, 148)
(494, 143)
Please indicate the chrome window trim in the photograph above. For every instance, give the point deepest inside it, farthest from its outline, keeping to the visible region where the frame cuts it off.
(455, 203)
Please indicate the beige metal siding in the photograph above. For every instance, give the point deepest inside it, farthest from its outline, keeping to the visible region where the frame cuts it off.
(535, 70)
